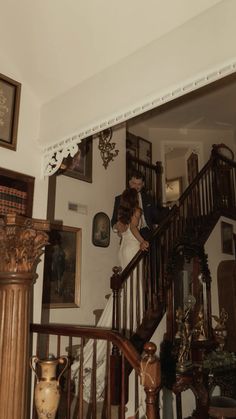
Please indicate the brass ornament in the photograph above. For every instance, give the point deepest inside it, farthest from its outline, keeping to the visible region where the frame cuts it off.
(106, 147)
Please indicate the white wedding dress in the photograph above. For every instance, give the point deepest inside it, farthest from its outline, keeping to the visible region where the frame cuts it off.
(128, 249)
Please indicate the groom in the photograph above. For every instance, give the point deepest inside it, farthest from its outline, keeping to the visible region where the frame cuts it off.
(151, 214)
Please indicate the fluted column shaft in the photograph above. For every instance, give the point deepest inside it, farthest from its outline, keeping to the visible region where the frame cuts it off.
(14, 342)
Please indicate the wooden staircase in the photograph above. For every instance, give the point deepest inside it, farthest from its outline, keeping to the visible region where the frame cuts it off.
(212, 194)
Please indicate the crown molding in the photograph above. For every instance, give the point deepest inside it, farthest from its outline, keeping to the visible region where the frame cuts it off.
(54, 154)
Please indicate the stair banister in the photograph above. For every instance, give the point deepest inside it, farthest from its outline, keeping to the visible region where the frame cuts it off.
(195, 215)
(146, 366)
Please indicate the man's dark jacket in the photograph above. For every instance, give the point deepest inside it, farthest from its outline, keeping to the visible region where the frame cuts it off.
(152, 214)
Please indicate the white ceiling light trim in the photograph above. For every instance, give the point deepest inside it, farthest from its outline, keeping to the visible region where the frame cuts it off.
(54, 154)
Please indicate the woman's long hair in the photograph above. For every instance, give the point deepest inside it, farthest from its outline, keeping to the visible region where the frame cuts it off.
(128, 203)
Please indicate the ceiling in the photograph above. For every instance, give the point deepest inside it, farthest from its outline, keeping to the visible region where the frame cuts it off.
(210, 108)
(57, 44)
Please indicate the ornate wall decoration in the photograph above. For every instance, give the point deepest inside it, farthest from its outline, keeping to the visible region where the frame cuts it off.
(107, 149)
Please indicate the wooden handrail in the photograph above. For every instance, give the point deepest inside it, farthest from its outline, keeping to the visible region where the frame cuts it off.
(147, 366)
(117, 339)
(174, 211)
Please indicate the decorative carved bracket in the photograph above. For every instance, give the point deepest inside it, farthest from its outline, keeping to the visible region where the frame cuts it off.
(53, 161)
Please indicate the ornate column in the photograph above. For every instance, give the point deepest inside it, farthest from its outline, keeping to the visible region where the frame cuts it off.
(21, 242)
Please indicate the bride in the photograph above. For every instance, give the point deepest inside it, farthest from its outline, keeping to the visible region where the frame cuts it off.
(129, 216)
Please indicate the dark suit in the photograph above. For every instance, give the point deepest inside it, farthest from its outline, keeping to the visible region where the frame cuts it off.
(152, 214)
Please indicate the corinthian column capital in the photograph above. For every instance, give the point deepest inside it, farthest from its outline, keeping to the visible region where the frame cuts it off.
(21, 243)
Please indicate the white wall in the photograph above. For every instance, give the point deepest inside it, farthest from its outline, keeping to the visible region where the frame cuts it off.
(157, 69)
(97, 262)
(28, 158)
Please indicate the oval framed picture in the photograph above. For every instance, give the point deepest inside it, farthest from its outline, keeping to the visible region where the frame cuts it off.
(101, 230)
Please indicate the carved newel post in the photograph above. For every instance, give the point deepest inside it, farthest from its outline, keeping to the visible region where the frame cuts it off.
(151, 379)
(21, 243)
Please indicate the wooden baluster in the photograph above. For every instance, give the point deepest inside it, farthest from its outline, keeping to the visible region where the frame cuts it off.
(58, 346)
(124, 386)
(131, 305)
(94, 381)
(204, 200)
(80, 392)
(234, 186)
(144, 286)
(138, 296)
(159, 172)
(123, 324)
(207, 193)
(69, 380)
(116, 287)
(108, 384)
(151, 379)
(115, 358)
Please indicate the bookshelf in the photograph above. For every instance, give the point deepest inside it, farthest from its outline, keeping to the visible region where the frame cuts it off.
(16, 193)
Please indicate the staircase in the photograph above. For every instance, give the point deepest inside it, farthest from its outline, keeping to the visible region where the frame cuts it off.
(212, 194)
(138, 313)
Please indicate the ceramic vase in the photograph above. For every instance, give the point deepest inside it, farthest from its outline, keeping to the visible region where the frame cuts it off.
(47, 389)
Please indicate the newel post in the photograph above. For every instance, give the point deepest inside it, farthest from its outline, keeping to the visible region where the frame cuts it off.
(151, 379)
(21, 242)
(115, 358)
(116, 287)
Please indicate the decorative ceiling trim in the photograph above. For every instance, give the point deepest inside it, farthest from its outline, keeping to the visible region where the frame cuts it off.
(54, 154)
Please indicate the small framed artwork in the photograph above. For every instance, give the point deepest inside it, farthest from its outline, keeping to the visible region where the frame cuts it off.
(9, 111)
(61, 279)
(138, 147)
(227, 238)
(101, 230)
(173, 189)
(80, 166)
(145, 150)
(131, 144)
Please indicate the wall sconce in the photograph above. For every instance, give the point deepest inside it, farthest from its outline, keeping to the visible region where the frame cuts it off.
(106, 147)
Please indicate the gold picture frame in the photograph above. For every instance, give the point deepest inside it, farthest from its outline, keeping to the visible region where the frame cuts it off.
(10, 91)
(62, 266)
(101, 230)
(173, 189)
(80, 166)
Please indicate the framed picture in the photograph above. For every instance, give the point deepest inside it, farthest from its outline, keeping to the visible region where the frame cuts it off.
(61, 279)
(227, 238)
(101, 230)
(9, 111)
(138, 147)
(145, 150)
(80, 166)
(173, 189)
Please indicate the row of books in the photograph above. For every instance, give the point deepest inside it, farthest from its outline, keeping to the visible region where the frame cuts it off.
(12, 200)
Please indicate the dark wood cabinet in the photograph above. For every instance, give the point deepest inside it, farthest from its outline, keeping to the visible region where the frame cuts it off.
(16, 193)
(226, 277)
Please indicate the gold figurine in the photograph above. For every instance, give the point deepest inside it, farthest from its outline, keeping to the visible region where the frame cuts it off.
(199, 330)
